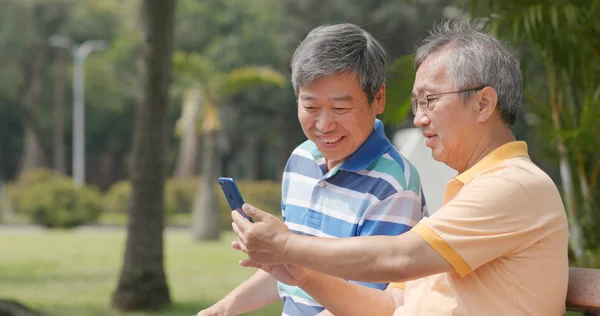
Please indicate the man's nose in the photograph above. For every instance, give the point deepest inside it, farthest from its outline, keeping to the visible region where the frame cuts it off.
(325, 121)
(421, 119)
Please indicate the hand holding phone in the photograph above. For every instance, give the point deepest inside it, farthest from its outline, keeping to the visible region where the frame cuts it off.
(233, 196)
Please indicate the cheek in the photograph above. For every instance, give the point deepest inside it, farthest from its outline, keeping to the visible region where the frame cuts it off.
(304, 119)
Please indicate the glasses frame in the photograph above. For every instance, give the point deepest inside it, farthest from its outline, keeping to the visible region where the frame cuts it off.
(414, 103)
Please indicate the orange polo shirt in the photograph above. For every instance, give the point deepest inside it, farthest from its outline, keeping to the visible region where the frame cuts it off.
(503, 228)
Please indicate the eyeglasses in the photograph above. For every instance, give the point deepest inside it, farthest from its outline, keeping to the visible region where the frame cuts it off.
(416, 104)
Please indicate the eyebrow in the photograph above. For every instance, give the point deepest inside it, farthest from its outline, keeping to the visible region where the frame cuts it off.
(345, 97)
(309, 97)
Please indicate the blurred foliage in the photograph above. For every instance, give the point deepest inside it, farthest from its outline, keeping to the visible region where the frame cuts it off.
(559, 43)
(248, 40)
(116, 198)
(399, 83)
(58, 203)
(15, 189)
(180, 194)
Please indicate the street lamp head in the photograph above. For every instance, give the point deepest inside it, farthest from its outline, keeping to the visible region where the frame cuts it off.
(87, 47)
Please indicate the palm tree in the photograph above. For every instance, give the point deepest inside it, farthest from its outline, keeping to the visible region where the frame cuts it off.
(142, 283)
(213, 88)
(564, 39)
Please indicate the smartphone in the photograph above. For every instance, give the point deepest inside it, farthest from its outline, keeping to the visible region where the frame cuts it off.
(233, 195)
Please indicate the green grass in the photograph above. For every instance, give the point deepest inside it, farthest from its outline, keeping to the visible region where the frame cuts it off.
(75, 273)
(106, 218)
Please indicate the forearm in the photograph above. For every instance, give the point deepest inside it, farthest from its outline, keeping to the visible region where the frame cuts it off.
(367, 259)
(349, 298)
(258, 291)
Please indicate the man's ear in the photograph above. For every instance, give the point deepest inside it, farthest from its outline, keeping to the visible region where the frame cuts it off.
(379, 101)
(487, 103)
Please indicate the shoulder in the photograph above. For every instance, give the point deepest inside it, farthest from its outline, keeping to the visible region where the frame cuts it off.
(397, 170)
(305, 149)
(302, 154)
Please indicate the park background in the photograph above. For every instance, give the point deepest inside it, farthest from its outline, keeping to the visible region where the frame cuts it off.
(82, 230)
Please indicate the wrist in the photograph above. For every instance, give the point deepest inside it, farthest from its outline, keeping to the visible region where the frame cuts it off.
(287, 254)
(308, 280)
(226, 306)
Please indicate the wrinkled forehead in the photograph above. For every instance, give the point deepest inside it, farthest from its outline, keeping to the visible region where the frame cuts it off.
(432, 75)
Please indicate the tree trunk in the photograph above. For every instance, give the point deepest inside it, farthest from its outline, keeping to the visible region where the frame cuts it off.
(188, 146)
(142, 283)
(291, 136)
(566, 175)
(58, 114)
(33, 155)
(33, 151)
(251, 158)
(586, 197)
(206, 221)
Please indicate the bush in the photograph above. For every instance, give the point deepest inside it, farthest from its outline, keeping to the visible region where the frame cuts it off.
(178, 198)
(59, 203)
(180, 195)
(26, 180)
(116, 199)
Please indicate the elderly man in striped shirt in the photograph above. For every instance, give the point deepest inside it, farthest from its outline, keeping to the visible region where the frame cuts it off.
(347, 179)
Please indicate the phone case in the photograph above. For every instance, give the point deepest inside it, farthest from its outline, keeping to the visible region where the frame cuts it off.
(233, 195)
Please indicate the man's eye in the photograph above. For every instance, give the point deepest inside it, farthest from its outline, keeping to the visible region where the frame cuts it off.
(341, 110)
(310, 108)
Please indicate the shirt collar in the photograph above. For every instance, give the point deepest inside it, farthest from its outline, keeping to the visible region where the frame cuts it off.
(374, 147)
(496, 157)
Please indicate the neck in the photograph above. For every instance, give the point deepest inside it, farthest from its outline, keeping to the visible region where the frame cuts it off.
(332, 163)
(488, 142)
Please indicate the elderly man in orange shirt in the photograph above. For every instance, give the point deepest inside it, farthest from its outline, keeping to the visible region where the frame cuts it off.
(497, 246)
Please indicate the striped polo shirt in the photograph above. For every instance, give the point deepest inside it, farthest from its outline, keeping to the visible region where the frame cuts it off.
(375, 191)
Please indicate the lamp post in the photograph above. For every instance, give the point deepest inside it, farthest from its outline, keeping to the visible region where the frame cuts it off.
(79, 53)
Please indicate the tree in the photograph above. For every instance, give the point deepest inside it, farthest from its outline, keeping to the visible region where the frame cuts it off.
(562, 39)
(142, 283)
(212, 88)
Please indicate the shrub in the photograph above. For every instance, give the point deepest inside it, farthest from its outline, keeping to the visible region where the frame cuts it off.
(26, 180)
(59, 203)
(178, 196)
(116, 199)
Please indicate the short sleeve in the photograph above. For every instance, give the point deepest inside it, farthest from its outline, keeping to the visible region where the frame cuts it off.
(490, 217)
(398, 285)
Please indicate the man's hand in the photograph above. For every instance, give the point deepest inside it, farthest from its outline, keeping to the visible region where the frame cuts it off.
(264, 240)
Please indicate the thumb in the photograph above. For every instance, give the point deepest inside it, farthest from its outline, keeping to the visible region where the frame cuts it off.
(254, 212)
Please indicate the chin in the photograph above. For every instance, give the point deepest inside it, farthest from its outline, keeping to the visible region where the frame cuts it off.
(437, 156)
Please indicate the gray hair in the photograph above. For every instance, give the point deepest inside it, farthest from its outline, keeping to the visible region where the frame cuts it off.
(337, 49)
(477, 59)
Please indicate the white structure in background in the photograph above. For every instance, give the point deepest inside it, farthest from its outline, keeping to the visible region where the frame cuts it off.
(434, 175)
(80, 53)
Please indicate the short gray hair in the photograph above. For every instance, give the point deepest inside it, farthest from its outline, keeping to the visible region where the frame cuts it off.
(337, 49)
(477, 59)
